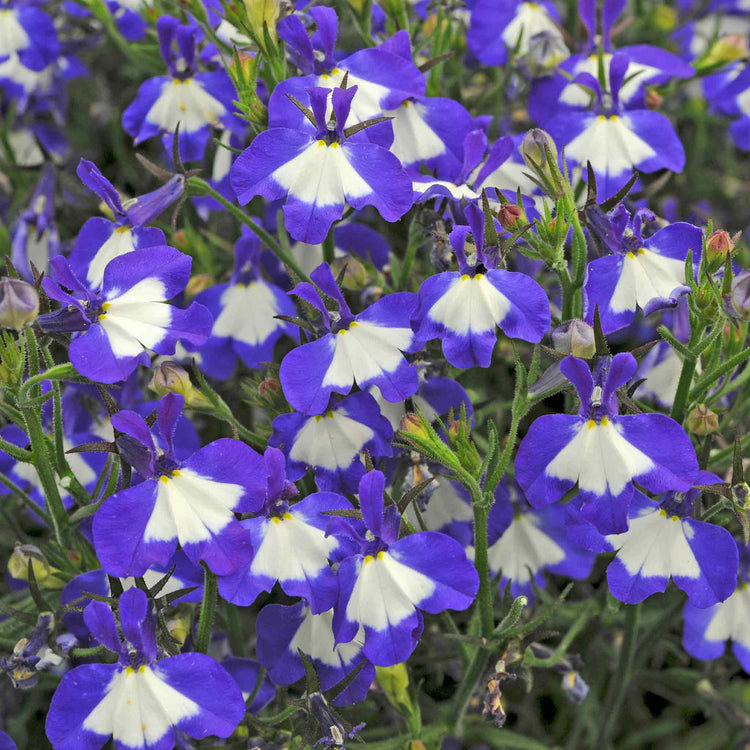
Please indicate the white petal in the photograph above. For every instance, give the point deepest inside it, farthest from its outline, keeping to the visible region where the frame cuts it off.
(458, 192)
(191, 507)
(731, 618)
(522, 546)
(292, 550)
(120, 242)
(331, 441)
(315, 638)
(366, 102)
(13, 37)
(413, 139)
(645, 276)
(386, 592)
(610, 145)
(530, 19)
(599, 457)
(139, 708)
(656, 545)
(364, 351)
(248, 313)
(187, 103)
(470, 304)
(444, 506)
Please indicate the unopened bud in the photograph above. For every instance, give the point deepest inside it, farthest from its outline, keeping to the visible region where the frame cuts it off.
(412, 424)
(702, 421)
(725, 50)
(197, 284)
(263, 13)
(664, 18)
(654, 99)
(355, 276)
(269, 388)
(720, 244)
(170, 377)
(18, 567)
(511, 216)
(536, 144)
(19, 304)
(574, 337)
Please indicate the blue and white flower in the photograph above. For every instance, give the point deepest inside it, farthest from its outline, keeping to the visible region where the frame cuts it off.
(192, 502)
(602, 451)
(386, 583)
(142, 701)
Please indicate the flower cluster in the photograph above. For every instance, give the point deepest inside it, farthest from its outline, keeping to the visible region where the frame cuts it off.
(404, 385)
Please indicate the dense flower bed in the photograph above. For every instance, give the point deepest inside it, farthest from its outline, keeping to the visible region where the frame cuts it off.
(374, 371)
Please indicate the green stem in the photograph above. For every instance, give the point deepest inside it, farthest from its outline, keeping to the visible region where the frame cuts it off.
(24, 497)
(412, 245)
(208, 609)
(329, 248)
(686, 379)
(621, 680)
(15, 452)
(201, 187)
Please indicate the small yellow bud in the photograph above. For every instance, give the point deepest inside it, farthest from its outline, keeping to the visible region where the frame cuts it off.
(702, 421)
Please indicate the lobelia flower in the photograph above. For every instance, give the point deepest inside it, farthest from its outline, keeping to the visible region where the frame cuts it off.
(366, 348)
(331, 444)
(614, 139)
(386, 583)
(244, 312)
(192, 502)
(282, 630)
(646, 65)
(643, 272)
(289, 544)
(708, 629)
(602, 451)
(142, 701)
(385, 76)
(6, 743)
(319, 169)
(27, 33)
(101, 240)
(464, 307)
(498, 26)
(128, 316)
(663, 541)
(197, 102)
(525, 543)
(35, 239)
(37, 653)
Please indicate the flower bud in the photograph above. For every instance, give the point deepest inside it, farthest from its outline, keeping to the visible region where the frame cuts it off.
(355, 276)
(262, 13)
(654, 99)
(18, 567)
(197, 284)
(269, 388)
(536, 144)
(19, 304)
(170, 377)
(412, 424)
(511, 216)
(702, 421)
(720, 244)
(725, 50)
(574, 337)
(741, 496)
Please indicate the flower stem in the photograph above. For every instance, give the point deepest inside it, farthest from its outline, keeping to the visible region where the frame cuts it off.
(208, 610)
(201, 187)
